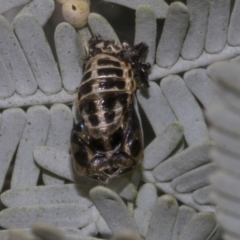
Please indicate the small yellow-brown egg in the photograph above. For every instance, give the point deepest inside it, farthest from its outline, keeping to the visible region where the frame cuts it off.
(76, 12)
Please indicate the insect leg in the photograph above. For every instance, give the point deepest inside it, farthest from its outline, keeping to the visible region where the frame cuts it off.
(81, 152)
(131, 151)
(141, 67)
(133, 144)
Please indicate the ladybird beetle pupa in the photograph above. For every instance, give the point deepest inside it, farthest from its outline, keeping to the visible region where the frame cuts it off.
(108, 142)
(76, 12)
